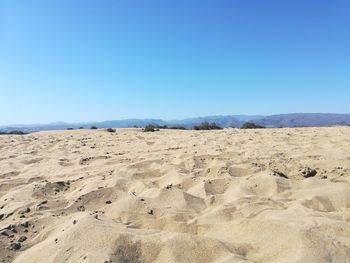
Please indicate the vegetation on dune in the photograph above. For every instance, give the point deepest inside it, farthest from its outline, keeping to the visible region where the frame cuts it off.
(160, 126)
(207, 126)
(251, 125)
(150, 128)
(154, 127)
(13, 133)
(177, 128)
(93, 128)
(111, 130)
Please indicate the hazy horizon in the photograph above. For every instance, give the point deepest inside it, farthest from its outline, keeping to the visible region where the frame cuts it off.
(163, 119)
(86, 61)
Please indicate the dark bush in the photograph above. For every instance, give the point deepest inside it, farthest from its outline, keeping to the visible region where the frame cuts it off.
(150, 128)
(81, 128)
(111, 130)
(177, 128)
(251, 125)
(69, 129)
(207, 126)
(157, 126)
(18, 132)
(13, 133)
(93, 128)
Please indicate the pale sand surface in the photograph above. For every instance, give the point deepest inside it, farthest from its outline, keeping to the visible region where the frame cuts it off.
(175, 196)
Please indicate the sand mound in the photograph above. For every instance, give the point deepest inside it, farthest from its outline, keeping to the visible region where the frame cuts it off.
(272, 195)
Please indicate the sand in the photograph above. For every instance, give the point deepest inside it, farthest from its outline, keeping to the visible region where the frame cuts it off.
(176, 196)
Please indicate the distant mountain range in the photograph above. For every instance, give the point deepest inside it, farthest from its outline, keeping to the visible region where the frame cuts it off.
(305, 120)
(282, 120)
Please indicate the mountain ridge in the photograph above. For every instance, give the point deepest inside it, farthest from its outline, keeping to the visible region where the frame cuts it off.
(276, 120)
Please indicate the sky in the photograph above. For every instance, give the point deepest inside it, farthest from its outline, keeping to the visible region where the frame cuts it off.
(89, 60)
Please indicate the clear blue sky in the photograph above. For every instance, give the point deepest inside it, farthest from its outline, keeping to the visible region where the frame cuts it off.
(99, 60)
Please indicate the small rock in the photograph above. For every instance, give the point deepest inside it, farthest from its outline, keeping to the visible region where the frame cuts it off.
(61, 183)
(25, 224)
(150, 211)
(24, 211)
(5, 233)
(43, 208)
(15, 246)
(74, 222)
(42, 203)
(108, 202)
(10, 227)
(81, 208)
(308, 172)
(279, 174)
(9, 214)
(22, 239)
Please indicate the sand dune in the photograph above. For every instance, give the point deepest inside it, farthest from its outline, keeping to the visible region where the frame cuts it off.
(176, 196)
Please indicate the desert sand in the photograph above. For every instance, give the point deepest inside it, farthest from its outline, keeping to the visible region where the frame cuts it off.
(176, 196)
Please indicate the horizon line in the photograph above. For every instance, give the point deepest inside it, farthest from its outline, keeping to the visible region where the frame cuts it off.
(161, 119)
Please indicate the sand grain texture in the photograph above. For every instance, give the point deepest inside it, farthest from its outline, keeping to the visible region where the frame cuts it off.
(176, 196)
